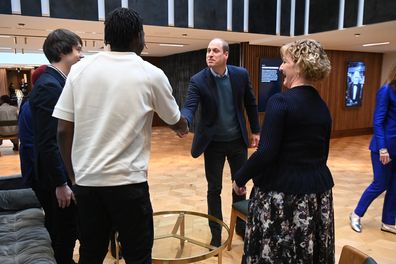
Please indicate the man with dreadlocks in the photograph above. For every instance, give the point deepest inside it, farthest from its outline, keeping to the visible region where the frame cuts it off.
(106, 147)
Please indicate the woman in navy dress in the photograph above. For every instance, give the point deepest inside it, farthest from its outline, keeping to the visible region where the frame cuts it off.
(383, 151)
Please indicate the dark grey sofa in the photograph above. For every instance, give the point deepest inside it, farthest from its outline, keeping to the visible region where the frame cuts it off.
(23, 237)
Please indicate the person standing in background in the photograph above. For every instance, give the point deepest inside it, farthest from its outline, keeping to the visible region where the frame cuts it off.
(223, 92)
(8, 112)
(51, 185)
(383, 152)
(291, 216)
(26, 152)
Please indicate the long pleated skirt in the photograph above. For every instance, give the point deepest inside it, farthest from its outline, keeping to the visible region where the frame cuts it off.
(288, 228)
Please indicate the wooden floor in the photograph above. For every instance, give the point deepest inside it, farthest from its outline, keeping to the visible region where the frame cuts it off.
(177, 182)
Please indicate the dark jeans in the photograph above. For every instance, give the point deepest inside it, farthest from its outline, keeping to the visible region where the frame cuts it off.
(125, 208)
(215, 155)
(61, 225)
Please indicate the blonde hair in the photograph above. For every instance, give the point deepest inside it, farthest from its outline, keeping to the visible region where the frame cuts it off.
(392, 77)
(310, 58)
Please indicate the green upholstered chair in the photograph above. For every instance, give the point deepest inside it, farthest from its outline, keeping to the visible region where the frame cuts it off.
(239, 209)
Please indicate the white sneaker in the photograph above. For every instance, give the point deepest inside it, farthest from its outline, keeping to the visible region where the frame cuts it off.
(355, 222)
(388, 228)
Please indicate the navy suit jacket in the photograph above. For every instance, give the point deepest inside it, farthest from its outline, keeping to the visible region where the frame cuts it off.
(384, 123)
(50, 171)
(202, 91)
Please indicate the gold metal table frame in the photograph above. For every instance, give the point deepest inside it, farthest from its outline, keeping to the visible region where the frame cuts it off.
(178, 232)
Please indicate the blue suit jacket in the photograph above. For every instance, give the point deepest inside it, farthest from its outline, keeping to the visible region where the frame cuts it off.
(26, 151)
(202, 91)
(384, 123)
(50, 171)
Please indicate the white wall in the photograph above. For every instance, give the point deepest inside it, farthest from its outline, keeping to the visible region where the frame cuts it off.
(388, 62)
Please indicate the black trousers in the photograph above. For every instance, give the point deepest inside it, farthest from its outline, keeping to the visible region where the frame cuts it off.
(215, 155)
(125, 208)
(60, 223)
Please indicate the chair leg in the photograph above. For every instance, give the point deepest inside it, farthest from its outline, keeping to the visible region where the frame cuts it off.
(232, 227)
(117, 248)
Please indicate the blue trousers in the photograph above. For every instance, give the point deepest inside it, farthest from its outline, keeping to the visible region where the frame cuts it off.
(384, 180)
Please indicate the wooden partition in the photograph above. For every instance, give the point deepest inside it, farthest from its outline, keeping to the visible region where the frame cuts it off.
(346, 121)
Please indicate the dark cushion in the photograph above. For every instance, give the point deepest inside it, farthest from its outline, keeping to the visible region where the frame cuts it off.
(14, 200)
(241, 206)
(11, 182)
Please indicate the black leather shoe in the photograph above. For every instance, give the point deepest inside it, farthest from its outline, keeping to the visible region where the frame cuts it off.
(215, 242)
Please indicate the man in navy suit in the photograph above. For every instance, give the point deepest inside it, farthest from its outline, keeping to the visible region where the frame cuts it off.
(51, 185)
(223, 92)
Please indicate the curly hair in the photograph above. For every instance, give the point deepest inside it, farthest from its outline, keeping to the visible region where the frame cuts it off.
(124, 31)
(310, 58)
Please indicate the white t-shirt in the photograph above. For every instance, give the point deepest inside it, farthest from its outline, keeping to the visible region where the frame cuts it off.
(111, 98)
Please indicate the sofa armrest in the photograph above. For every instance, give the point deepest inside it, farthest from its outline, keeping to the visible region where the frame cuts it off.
(14, 200)
(11, 182)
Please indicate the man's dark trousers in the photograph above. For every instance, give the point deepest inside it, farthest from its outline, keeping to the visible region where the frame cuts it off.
(215, 154)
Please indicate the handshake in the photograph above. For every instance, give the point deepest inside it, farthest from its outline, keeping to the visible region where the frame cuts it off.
(181, 127)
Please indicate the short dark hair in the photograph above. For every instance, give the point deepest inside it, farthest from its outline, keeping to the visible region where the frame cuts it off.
(5, 99)
(124, 30)
(60, 41)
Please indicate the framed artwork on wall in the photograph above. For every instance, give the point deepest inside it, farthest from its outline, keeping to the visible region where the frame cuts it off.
(355, 83)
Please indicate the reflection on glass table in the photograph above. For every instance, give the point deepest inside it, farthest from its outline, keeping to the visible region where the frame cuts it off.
(184, 237)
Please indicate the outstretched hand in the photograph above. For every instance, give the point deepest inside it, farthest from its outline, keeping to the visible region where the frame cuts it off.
(181, 127)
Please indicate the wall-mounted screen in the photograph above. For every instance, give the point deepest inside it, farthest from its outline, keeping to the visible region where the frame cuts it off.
(270, 81)
(355, 82)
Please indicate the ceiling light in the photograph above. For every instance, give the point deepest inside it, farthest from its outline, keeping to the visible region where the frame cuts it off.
(5, 48)
(5, 36)
(376, 44)
(144, 53)
(357, 35)
(171, 45)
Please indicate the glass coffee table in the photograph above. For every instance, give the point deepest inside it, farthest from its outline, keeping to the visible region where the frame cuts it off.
(184, 237)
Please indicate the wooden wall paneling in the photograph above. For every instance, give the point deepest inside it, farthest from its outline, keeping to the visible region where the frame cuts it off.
(356, 118)
(251, 55)
(346, 121)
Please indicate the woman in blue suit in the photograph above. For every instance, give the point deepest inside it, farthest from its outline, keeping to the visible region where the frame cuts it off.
(383, 150)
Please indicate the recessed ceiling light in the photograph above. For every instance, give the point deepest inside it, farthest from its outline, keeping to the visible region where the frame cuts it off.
(5, 36)
(376, 44)
(5, 48)
(357, 35)
(171, 45)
